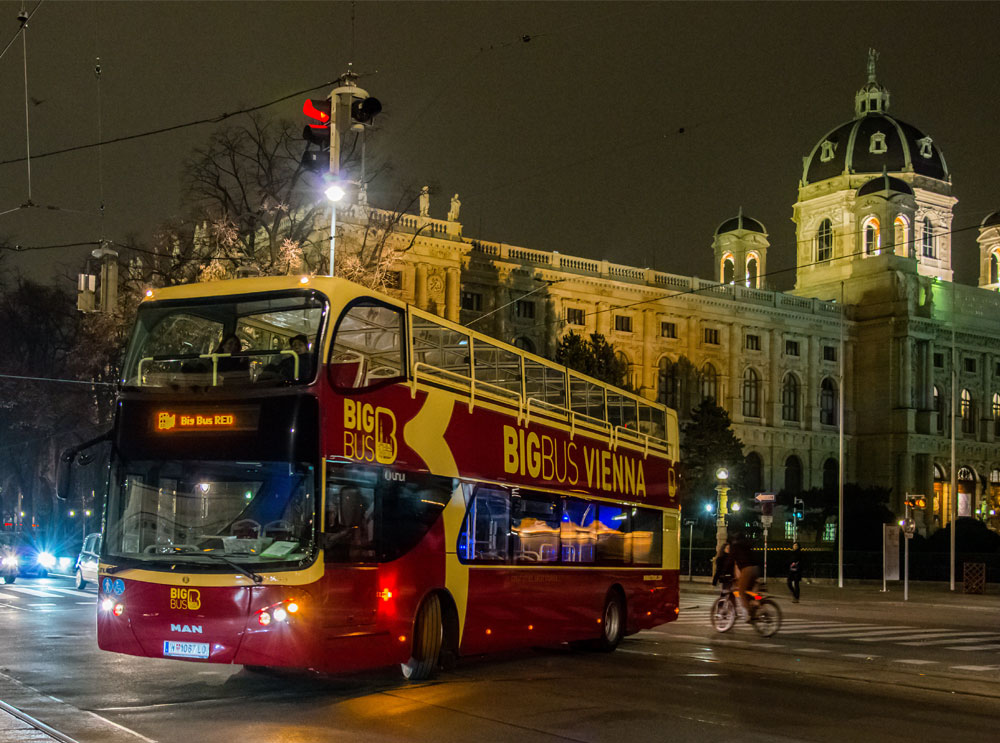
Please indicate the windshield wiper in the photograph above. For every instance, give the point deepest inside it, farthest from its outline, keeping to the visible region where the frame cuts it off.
(255, 577)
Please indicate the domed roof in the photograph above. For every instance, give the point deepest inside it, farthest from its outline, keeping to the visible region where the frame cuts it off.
(885, 182)
(873, 142)
(991, 220)
(741, 222)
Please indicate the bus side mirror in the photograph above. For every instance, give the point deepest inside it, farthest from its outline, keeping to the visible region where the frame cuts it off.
(75, 454)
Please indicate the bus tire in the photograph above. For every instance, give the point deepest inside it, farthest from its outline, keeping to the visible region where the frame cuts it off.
(428, 636)
(612, 623)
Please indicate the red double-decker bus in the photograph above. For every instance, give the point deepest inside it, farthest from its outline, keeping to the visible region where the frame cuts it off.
(308, 474)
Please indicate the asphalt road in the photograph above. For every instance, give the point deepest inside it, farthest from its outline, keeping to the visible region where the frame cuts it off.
(848, 664)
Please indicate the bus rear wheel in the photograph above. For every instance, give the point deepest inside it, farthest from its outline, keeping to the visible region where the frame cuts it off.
(428, 636)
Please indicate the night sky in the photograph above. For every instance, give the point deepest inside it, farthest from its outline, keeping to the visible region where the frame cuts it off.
(626, 131)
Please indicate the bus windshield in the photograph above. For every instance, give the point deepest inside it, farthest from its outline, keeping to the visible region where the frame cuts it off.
(248, 512)
(229, 341)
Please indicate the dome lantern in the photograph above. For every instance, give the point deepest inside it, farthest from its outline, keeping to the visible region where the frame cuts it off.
(872, 98)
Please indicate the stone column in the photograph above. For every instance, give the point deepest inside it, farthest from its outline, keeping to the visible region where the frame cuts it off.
(420, 289)
(735, 379)
(603, 318)
(649, 354)
(773, 410)
(452, 294)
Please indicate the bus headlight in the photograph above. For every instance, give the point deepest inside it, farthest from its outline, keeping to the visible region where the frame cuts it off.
(107, 604)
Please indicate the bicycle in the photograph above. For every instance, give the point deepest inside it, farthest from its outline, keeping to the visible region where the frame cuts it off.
(765, 614)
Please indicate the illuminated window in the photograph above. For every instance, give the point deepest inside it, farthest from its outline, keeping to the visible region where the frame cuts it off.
(790, 398)
(789, 530)
(996, 413)
(824, 241)
(751, 394)
(728, 269)
(872, 236)
(994, 267)
(902, 237)
(752, 278)
(828, 402)
(830, 533)
(967, 410)
(928, 238)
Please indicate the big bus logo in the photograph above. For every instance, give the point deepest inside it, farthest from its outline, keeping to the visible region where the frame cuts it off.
(369, 433)
(185, 598)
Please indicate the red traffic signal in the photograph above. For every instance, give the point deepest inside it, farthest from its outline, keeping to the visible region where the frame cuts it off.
(318, 130)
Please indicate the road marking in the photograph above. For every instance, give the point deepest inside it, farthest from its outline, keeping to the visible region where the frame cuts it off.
(35, 606)
(9, 597)
(975, 668)
(33, 592)
(810, 650)
(826, 631)
(860, 655)
(978, 647)
(915, 662)
(970, 637)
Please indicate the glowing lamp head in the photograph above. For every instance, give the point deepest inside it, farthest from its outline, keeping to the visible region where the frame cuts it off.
(149, 293)
(736, 506)
(722, 474)
(709, 507)
(335, 192)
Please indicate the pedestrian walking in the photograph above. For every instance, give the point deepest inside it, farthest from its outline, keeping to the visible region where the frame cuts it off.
(795, 572)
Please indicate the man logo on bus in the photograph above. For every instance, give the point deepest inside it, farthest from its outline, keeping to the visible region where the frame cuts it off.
(369, 433)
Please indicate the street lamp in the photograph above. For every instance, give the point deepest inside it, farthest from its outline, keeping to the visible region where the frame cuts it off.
(722, 488)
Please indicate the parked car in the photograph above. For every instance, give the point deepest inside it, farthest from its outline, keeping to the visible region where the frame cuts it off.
(86, 564)
(9, 560)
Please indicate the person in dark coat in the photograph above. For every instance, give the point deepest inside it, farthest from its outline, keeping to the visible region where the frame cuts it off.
(723, 567)
(795, 572)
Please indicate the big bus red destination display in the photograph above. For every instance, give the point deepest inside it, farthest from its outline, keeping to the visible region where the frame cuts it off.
(399, 489)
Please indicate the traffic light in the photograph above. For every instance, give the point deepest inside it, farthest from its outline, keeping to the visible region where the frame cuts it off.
(364, 111)
(317, 132)
(798, 508)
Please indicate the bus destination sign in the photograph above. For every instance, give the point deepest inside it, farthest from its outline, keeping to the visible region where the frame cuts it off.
(205, 419)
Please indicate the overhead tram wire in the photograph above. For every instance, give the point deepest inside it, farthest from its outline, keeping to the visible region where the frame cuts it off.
(716, 285)
(19, 30)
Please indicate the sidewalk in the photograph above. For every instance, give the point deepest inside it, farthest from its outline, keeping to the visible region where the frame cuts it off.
(14, 728)
(927, 593)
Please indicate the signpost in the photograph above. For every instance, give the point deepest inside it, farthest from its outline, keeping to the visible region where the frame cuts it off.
(690, 524)
(766, 501)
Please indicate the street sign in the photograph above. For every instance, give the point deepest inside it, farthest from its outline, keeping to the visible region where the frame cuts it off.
(764, 497)
(766, 521)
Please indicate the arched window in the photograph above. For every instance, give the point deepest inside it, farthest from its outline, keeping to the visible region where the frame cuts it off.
(996, 413)
(904, 246)
(828, 402)
(873, 240)
(824, 241)
(939, 408)
(525, 344)
(831, 473)
(994, 268)
(752, 272)
(793, 475)
(790, 398)
(927, 240)
(728, 269)
(967, 409)
(751, 394)
(669, 384)
(753, 473)
(709, 383)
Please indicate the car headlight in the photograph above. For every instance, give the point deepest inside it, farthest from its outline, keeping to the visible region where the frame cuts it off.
(10, 561)
(46, 560)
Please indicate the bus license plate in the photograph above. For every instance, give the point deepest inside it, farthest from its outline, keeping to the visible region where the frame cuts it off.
(185, 649)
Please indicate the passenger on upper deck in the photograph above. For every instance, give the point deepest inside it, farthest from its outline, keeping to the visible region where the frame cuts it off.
(233, 365)
(285, 368)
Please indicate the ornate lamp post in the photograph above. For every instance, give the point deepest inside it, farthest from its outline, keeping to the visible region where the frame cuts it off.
(722, 476)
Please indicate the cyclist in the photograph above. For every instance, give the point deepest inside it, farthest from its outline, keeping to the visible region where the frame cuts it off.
(746, 572)
(724, 567)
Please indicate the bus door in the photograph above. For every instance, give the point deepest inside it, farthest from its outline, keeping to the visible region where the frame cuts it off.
(351, 574)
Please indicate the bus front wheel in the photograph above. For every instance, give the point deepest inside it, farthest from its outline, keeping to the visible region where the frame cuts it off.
(428, 636)
(612, 626)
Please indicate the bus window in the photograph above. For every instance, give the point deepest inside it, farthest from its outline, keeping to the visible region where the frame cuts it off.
(651, 421)
(444, 350)
(621, 410)
(544, 383)
(497, 367)
(586, 398)
(612, 529)
(367, 346)
(407, 509)
(534, 528)
(647, 536)
(484, 534)
(579, 534)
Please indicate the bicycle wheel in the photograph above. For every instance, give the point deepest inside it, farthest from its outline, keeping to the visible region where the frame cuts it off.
(767, 618)
(724, 613)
